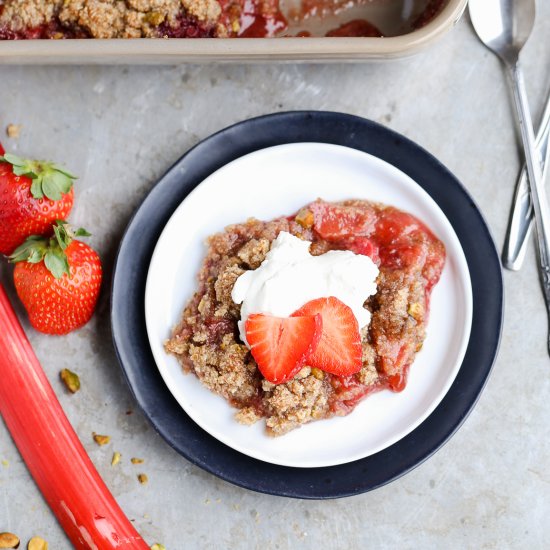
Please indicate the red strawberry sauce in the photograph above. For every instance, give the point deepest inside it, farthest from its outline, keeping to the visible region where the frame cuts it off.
(405, 250)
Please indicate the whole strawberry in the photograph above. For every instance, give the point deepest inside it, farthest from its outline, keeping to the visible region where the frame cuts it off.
(57, 279)
(33, 194)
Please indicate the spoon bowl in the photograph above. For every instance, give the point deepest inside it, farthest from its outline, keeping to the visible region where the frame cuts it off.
(503, 25)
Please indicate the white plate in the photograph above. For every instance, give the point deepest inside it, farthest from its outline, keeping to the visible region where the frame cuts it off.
(278, 181)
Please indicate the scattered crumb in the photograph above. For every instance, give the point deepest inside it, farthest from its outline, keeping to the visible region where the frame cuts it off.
(299, 533)
(137, 460)
(158, 546)
(101, 439)
(37, 543)
(70, 379)
(142, 478)
(5, 463)
(129, 412)
(13, 130)
(207, 501)
(218, 501)
(8, 540)
(116, 458)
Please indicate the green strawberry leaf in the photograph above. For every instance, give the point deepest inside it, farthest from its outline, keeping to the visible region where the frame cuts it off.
(62, 181)
(49, 187)
(64, 171)
(37, 248)
(14, 160)
(32, 250)
(36, 189)
(61, 234)
(57, 263)
(35, 256)
(49, 179)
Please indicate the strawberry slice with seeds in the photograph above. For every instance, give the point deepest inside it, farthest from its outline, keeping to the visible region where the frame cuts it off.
(280, 345)
(339, 350)
(335, 221)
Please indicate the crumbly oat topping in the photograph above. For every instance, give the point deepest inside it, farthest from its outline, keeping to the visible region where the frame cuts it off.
(109, 18)
(206, 340)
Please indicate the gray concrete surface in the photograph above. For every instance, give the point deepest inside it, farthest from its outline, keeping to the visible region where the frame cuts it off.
(121, 128)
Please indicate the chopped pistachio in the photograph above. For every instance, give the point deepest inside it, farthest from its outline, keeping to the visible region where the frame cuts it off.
(116, 458)
(101, 439)
(154, 18)
(415, 311)
(37, 543)
(318, 373)
(13, 130)
(136, 460)
(142, 478)
(70, 379)
(9, 540)
(158, 546)
(305, 218)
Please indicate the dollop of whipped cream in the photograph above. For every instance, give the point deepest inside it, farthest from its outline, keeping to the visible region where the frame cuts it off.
(290, 276)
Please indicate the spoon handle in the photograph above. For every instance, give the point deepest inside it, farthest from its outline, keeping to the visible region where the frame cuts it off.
(521, 217)
(538, 194)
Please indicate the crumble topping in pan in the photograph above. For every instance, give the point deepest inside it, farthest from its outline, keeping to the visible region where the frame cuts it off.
(111, 18)
(57, 19)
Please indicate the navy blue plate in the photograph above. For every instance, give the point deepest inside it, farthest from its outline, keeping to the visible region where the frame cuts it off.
(128, 316)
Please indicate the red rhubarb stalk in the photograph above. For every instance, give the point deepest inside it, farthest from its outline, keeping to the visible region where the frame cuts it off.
(51, 449)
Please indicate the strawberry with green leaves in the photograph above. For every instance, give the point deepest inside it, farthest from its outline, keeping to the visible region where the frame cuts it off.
(57, 279)
(33, 194)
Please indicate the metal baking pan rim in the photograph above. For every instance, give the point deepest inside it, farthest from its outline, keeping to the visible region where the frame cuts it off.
(173, 51)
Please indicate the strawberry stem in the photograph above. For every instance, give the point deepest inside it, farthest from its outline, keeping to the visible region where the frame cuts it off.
(52, 250)
(49, 179)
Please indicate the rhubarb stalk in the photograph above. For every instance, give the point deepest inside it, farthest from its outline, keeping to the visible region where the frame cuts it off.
(51, 449)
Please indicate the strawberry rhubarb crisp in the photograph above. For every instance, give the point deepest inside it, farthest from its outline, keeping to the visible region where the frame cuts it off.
(29, 19)
(300, 318)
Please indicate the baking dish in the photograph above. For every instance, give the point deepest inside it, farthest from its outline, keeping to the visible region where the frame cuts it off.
(174, 51)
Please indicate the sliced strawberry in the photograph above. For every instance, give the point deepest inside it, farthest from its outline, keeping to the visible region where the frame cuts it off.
(339, 350)
(280, 345)
(334, 221)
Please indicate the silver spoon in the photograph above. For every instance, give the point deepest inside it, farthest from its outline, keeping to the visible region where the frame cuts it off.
(504, 27)
(521, 217)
